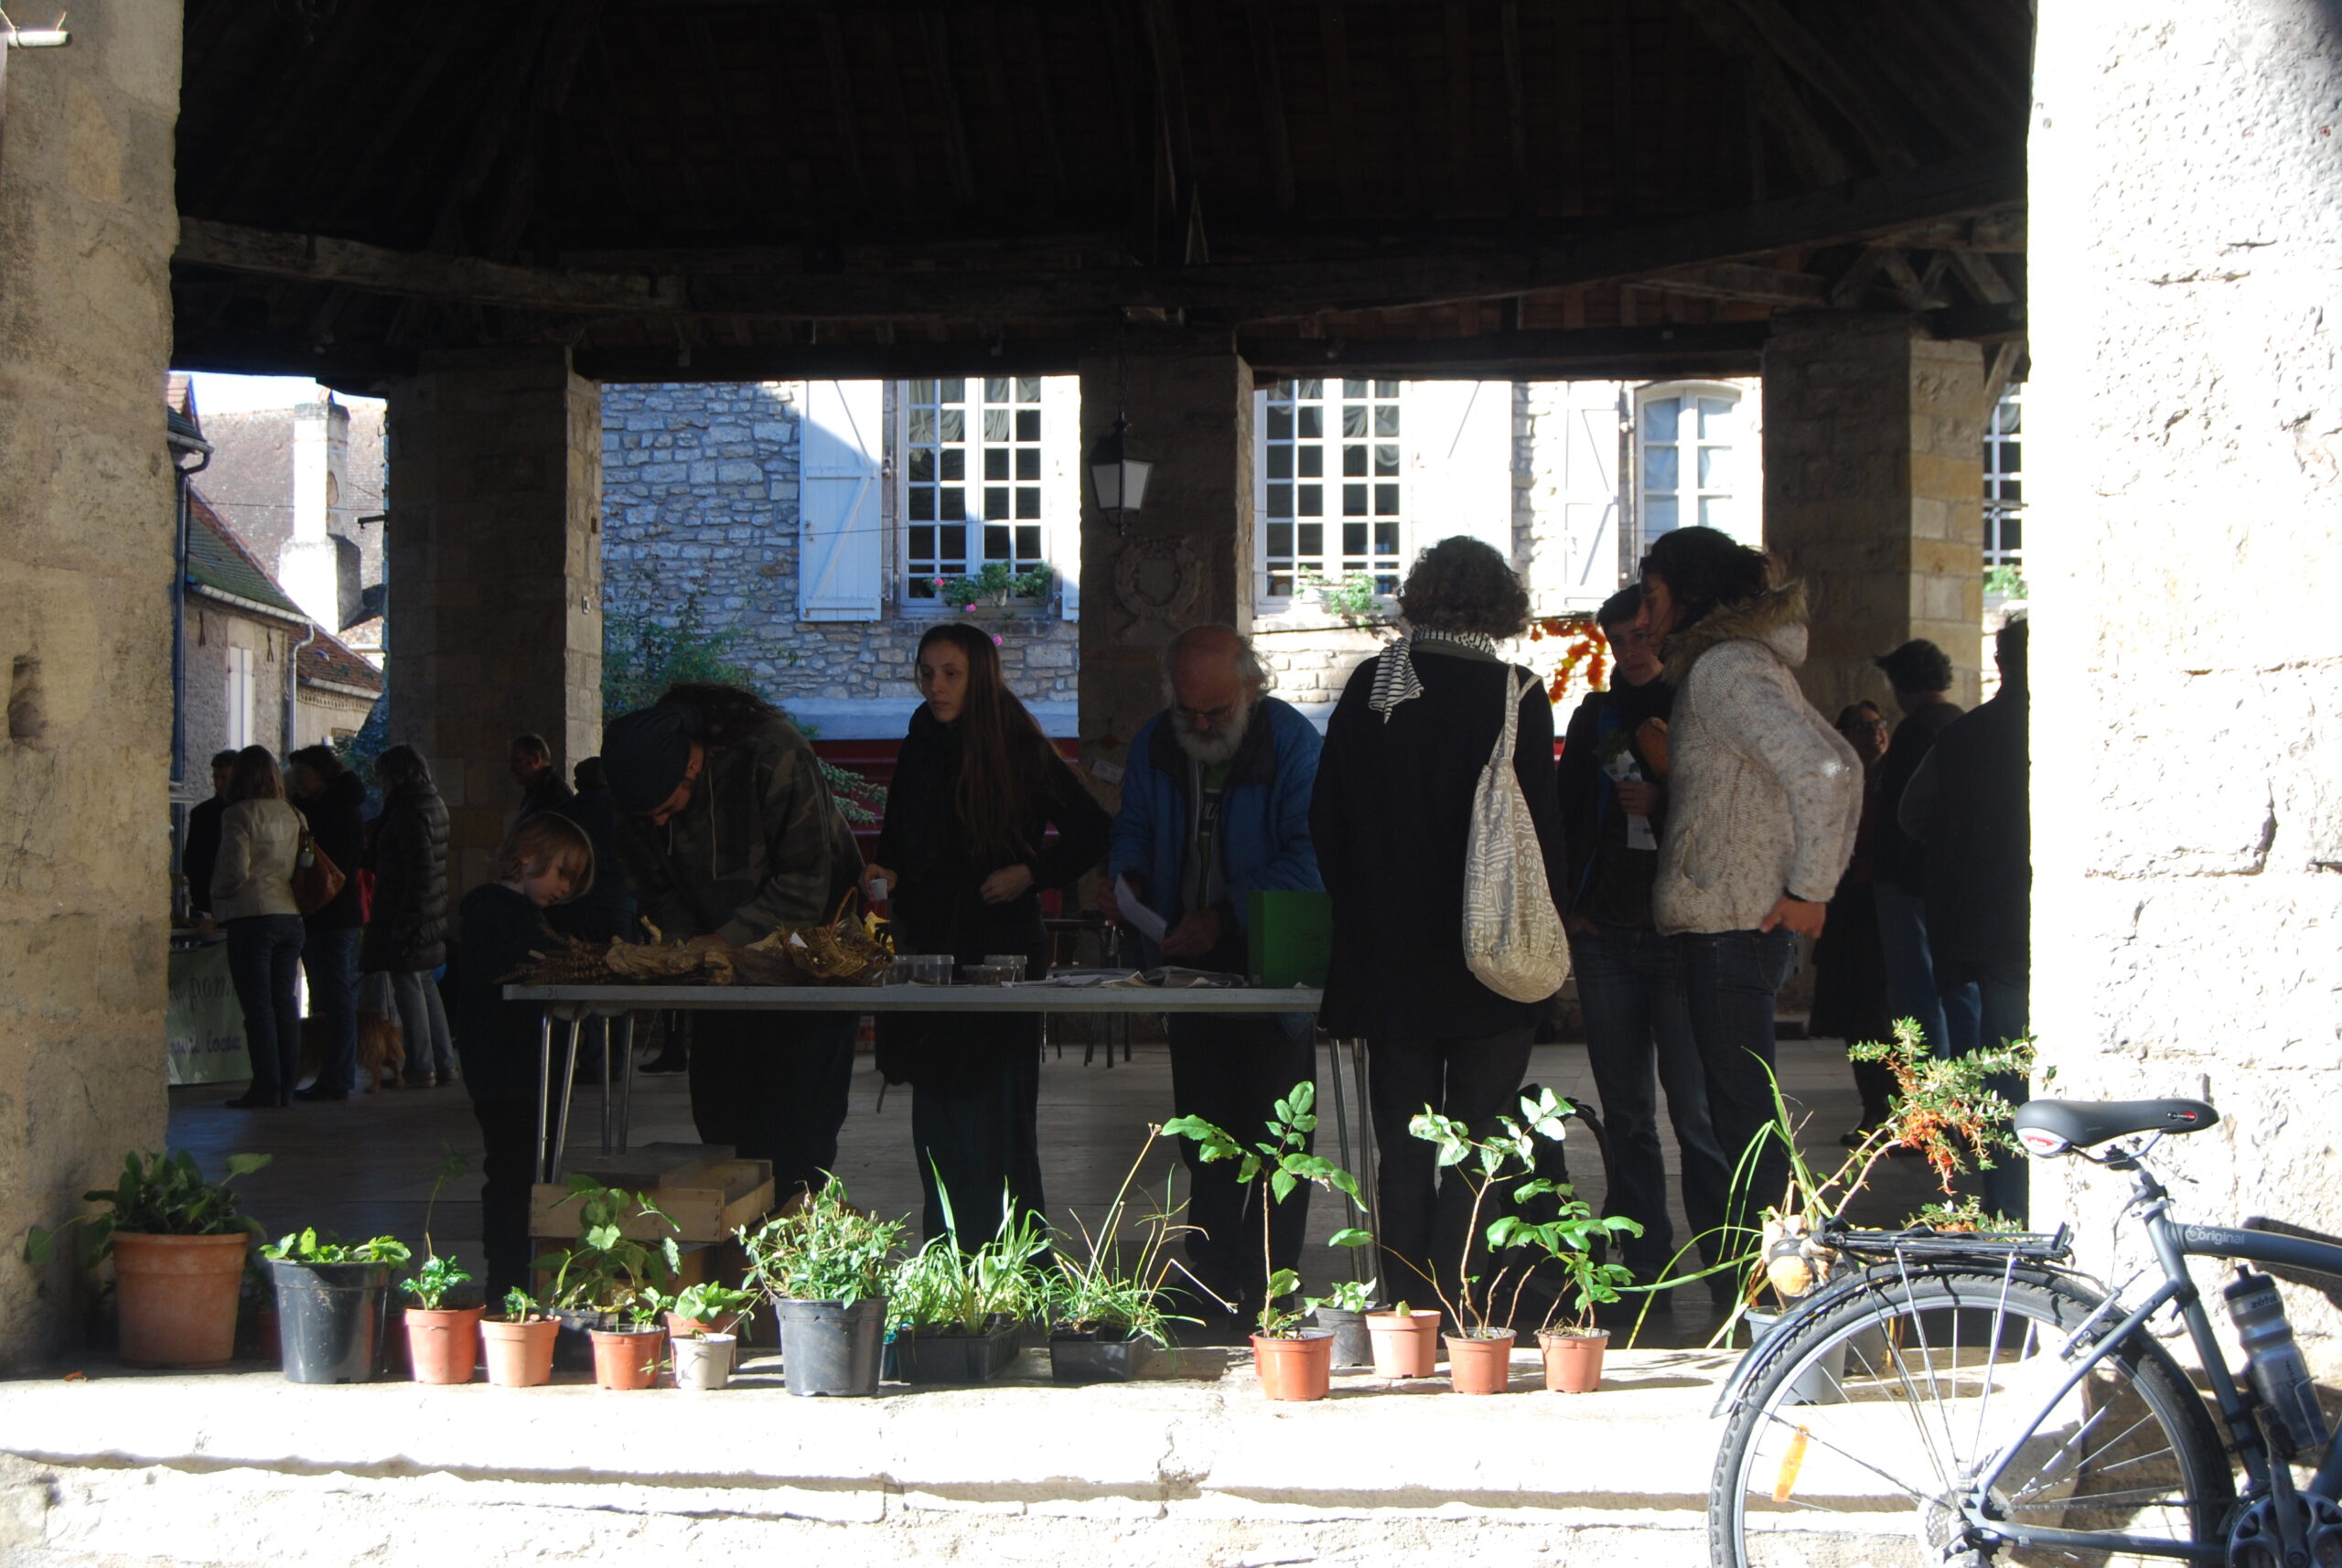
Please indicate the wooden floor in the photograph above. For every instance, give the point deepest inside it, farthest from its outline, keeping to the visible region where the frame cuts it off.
(364, 1167)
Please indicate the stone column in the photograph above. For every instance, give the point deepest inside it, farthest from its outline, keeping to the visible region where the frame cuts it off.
(1187, 556)
(87, 228)
(1874, 493)
(495, 576)
(2183, 460)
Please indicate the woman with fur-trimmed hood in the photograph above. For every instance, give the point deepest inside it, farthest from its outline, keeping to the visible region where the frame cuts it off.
(1764, 797)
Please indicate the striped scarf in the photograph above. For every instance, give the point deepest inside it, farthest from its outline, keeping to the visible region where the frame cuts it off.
(1395, 680)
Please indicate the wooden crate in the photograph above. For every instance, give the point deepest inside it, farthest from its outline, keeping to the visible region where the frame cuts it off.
(709, 1200)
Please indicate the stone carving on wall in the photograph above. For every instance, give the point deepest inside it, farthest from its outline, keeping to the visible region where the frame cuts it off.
(1157, 580)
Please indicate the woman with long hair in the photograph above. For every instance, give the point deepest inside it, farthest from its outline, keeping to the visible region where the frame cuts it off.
(965, 852)
(406, 936)
(1764, 797)
(252, 897)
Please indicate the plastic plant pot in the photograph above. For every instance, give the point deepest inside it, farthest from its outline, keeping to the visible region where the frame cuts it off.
(519, 1354)
(177, 1297)
(572, 1348)
(1404, 1347)
(1087, 1359)
(443, 1346)
(828, 1347)
(702, 1362)
(1300, 1367)
(1477, 1365)
(1573, 1361)
(626, 1358)
(331, 1318)
(1353, 1345)
(682, 1328)
(932, 1356)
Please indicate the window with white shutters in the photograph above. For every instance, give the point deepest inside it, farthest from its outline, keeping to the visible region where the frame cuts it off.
(978, 467)
(2005, 482)
(1690, 449)
(1332, 484)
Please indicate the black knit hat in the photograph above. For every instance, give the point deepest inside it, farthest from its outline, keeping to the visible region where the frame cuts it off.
(647, 753)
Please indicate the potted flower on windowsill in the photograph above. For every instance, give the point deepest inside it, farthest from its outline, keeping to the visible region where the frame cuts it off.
(1573, 1353)
(1294, 1362)
(959, 1310)
(701, 1342)
(995, 591)
(824, 1266)
(519, 1344)
(1479, 1352)
(178, 1249)
(1105, 1298)
(332, 1300)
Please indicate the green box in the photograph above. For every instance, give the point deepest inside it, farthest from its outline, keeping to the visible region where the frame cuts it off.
(1292, 938)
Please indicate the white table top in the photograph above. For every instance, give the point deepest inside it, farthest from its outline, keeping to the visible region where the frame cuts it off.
(612, 999)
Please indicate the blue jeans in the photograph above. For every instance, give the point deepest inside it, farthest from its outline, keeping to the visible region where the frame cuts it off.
(422, 1025)
(264, 964)
(1730, 981)
(1632, 995)
(1946, 1013)
(330, 955)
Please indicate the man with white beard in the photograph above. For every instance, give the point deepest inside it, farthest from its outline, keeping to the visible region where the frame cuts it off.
(1215, 805)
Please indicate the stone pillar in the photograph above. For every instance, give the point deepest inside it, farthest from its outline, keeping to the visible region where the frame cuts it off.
(1187, 557)
(495, 575)
(87, 228)
(1874, 493)
(2183, 460)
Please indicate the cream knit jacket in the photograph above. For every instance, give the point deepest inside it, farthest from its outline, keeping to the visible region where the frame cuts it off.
(1763, 796)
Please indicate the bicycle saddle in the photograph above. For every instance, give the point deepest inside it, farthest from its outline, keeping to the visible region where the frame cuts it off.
(2048, 1127)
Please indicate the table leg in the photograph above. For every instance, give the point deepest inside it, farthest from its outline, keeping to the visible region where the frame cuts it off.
(544, 1087)
(626, 1080)
(561, 1127)
(608, 1036)
(1359, 1264)
(1364, 1169)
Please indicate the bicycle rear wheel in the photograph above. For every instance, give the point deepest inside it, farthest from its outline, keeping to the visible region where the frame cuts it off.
(1856, 1448)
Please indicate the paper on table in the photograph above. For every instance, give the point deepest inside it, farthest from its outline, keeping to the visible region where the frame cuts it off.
(1136, 913)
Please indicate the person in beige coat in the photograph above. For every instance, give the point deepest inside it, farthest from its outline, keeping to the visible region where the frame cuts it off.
(252, 897)
(1764, 797)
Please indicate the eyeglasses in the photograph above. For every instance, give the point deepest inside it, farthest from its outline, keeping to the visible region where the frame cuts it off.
(1210, 718)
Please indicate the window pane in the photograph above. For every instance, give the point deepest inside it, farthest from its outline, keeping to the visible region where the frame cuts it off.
(1280, 462)
(1311, 501)
(922, 503)
(996, 501)
(2013, 490)
(953, 389)
(1658, 516)
(1659, 415)
(1386, 502)
(921, 461)
(996, 389)
(1715, 512)
(2012, 457)
(1312, 422)
(1280, 542)
(1354, 419)
(1280, 421)
(1353, 501)
(952, 424)
(1028, 424)
(1353, 389)
(995, 462)
(1715, 417)
(1386, 539)
(2013, 531)
(996, 425)
(1715, 468)
(955, 462)
(1386, 389)
(996, 543)
(1354, 460)
(1313, 462)
(1386, 457)
(1028, 463)
(1028, 545)
(1659, 468)
(1280, 500)
(1386, 419)
(922, 587)
(1353, 542)
(922, 543)
(923, 391)
(952, 503)
(1029, 388)
(1029, 501)
(1313, 539)
(1308, 390)
(922, 425)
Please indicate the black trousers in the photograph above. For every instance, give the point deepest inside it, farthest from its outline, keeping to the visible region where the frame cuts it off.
(508, 1168)
(774, 1087)
(1424, 1217)
(980, 1132)
(1231, 1072)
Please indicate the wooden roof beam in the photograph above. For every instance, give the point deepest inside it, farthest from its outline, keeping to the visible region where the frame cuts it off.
(1813, 153)
(1801, 52)
(1270, 85)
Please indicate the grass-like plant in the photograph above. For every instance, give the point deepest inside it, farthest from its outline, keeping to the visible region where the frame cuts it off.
(1110, 1288)
(948, 1285)
(157, 1194)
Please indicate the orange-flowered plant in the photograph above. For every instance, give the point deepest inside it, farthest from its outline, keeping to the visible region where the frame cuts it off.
(1584, 657)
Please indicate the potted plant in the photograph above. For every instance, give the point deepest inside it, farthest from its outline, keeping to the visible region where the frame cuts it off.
(1105, 1300)
(958, 1310)
(442, 1338)
(1342, 1312)
(1480, 1351)
(702, 1344)
(984, 593)
(519, 1344)
(1294, 1362)
(1573, 1353)
(596, 1283)
(629, 1345)
(179, 1247)
(332, 1299)
(1404, 1341)
(824, 1266)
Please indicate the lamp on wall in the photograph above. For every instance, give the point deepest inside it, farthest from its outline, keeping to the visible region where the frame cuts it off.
(1118, 477)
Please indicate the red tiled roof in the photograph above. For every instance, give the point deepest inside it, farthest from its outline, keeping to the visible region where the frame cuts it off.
(330, 659)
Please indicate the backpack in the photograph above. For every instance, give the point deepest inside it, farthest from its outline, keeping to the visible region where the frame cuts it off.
(1512, 933)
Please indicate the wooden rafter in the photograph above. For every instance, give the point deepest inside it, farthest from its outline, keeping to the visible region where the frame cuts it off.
(1812, 152)
(1045, 112)
(1268, 86)
(1516, 99)
(1334, 38)
(1814, 60)
(936, 34)
(842, 102)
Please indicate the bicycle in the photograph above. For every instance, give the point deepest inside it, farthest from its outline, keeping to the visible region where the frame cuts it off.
(1964, 1399)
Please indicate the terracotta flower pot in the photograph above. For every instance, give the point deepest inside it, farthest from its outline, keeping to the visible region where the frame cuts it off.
(1573, 1361)
(628, 1357)
(1478, 1366)
(682, 1328)
(1404, 1347)
(519, 1354)
(177, 1297)
(443, 1346)
(1297, 1369)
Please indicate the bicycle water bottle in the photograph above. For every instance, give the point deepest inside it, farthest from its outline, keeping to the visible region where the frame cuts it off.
(2279, 1374)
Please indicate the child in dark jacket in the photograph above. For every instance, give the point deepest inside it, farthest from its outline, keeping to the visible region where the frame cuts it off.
(546, 860)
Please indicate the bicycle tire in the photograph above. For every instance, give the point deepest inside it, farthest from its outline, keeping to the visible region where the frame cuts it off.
(1839, 1453)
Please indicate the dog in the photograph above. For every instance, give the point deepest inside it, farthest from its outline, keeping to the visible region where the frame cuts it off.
(382, 1049)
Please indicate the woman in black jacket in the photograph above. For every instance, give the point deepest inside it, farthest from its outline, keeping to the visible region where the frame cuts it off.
(964, 852)
(1391, 817)
(406, 936)
(546, 860)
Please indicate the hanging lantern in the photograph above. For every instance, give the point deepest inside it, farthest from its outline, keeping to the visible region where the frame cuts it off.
(1118, 477)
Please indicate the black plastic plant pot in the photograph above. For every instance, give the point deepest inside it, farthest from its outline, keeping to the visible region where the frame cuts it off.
(1087, 1358)
(1353, 1345)
(830, 1348)
(572, 1348)
(330, 1317)
(931, 1355)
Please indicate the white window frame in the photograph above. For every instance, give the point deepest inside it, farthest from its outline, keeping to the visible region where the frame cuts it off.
(1039, 472)
(2004, 466)
(1689, 497)
(242, 698)
(1334, 562)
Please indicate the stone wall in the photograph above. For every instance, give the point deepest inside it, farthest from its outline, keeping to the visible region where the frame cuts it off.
(2185, 418)
(87, 228)
(211, 630)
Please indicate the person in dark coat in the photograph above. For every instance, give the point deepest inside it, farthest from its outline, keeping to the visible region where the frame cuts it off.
(728, 830)
(333, 799)
(1613, 808)
(542, 862)
(1849, 970)
(605, 909)
(542, 789)
(201, 853)
(406, 937)
(965, 852)
(1392, 820)
(1921, 673)
(1970, 804)
(1215, 808)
